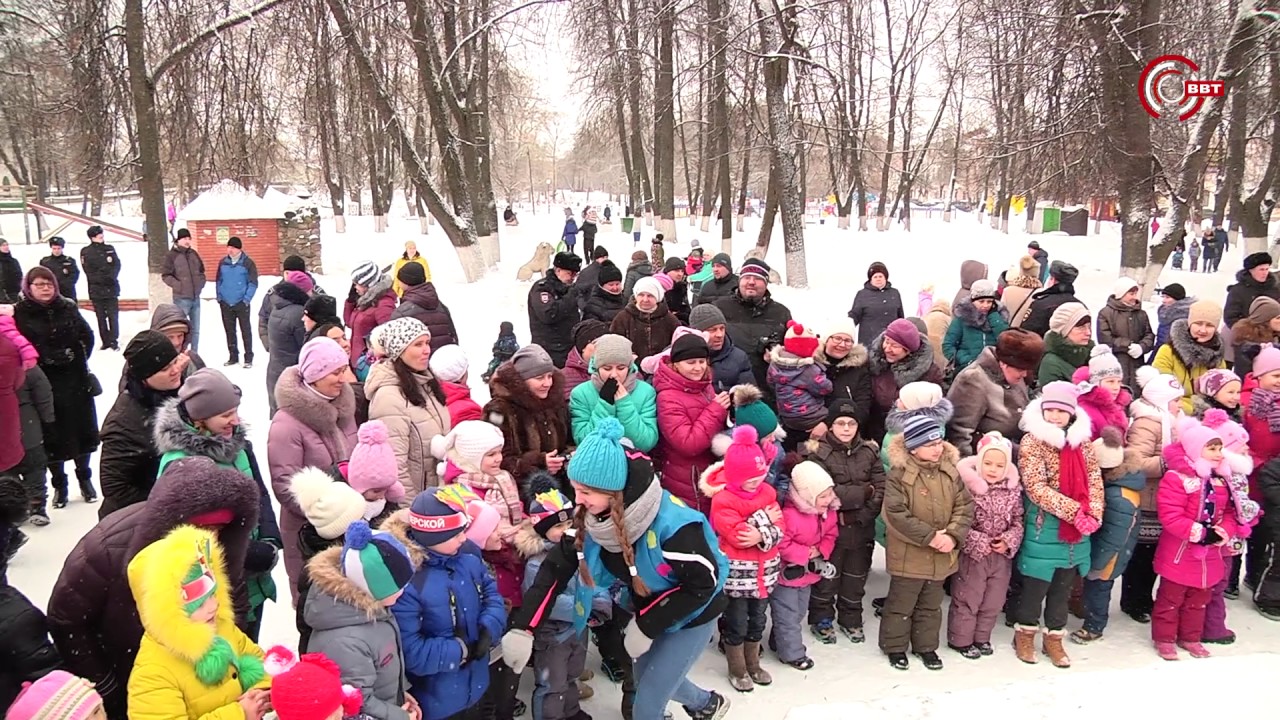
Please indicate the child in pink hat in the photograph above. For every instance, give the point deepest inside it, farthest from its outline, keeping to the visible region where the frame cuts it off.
(57, 696)
(372, 472)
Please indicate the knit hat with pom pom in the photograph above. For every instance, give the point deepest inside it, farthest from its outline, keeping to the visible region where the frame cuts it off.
(549, 507)
(808, 481)
(600, 461)
(744, 460)
(1157, 388)
(375, 562)
(467, 444)
(1194, 436)
(373, 462)
(312, 690)
(330, 506)
(799, 341)
(920, 395)
(56, 696)
(1234, 437)
(1103, 364)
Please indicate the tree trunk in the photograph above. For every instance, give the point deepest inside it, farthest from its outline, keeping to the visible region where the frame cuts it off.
(150, 170)
(664, 125)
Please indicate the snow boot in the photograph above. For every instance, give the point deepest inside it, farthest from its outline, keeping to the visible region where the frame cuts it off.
(985, 649)
(58, 479)
(1196, 649)
(585, 691)
(966, 651)
(760, 676)
(1167, 651)
(930, 659)
(1227, 639)
(1084, 637)
(825, 631)
(1024, 643)
(85, 476)
(1053, 648)
(716, 709)
(899, 661)
(855, 634)
(736, 657)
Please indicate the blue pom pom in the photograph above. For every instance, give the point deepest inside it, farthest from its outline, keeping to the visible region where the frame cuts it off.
(610, 429)
(359, 535)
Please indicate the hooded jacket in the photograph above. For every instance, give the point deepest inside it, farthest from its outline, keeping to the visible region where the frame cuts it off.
(971, 331)
(873, 309)
(269, 302)
(183, 272)
(167, 315)
(984, 402)
(553, 311)
(285, 332)
(730, 366)
(688, 420)
(1242, 294)
(997, 509)
(575, 372)
(1043, 303)
(1120, 326)
(64, 341)
(850, 379)
(363, 313)
(1187, 360)
(10, 278)
(1181, 557)
(800, 387)
(859, 479)
(971, 271)
(410, 428)
(531, 427)
(423, 302)
(919, 500)
(650, 333)
(24, 643)
(635, 271)
(754, 569)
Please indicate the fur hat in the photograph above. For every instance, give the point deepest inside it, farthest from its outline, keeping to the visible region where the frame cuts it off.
(706, 316)
(600, 461)
(376, 562)
(744, 460)
(613, 350)
(330, 506)
(1068, 316)
(1103, 364)
(799, 341)
(905, 333)
(1212, 382)
(877, 267)
(994, 442)
(433, 521)
(808, 481)
(1019, 348)
(919, 395)
(467, 444)
(920, 431)
(749, 409)
(1027, 267)
(449, 363)
(649, 285)
(208, 393)
(373, 463)
(1253, 260)
(1205, 311)
(1109, 448)
(1122, 287)
(1063, 273)
(366, 274)
(398, 334)
(56, 696)
(322, 309)
(1157, 388)
(567, 261)
(1060, 395)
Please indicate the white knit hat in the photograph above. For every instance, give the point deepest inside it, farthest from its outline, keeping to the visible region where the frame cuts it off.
(839, 326)
(648, 285)
(449, 363)
(808, 480)
(1103, 364)
(330, 506)
(397, 335)
(1122, 286)
(920, 395)
(467, 443)
(1157, 388)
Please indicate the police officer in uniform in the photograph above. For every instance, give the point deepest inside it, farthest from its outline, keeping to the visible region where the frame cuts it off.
(553, 308)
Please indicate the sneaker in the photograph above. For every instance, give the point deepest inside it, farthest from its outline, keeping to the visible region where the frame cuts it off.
(985, 649)
(1084, 637)
(39, 518)
(1167, 651)
(248, 364)
(804, 663)
(967, 651)
(716, 709)
(931, 660)
(899, 661)
(824, 632)
(59, 499)
(855, 634)
(1227, 639)
(1232, 592)
(1269, 613)
(1196, 649)
(231, 363)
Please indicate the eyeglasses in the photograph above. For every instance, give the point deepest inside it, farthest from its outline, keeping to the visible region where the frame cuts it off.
(42, 284)
(838, 340)
(845, 423)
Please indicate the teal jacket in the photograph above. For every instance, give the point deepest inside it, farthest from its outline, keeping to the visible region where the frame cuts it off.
(970, 332)
(638, 412)
(1042, 552)
(1112, 546)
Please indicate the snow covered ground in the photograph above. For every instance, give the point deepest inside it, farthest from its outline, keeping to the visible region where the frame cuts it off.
(848, 680)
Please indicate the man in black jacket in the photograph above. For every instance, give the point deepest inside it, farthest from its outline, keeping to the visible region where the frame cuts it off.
(102, 269)
(1061, 290)
(678, 296)
(1253, 282)
(586, 282)
(64, 268)
(553, 308)
(722, 283)
(756, 322)
(10, 275)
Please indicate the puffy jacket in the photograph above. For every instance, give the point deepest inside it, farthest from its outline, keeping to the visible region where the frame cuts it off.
(410, 428)
(1187, 360)
(446, 605)
(1180, 501)
(355, 631)
(688, 420)
(237, 280)
(754, 325)
(753, 569)
(801, 388)
(888, 378)
(269, 301)
(850, 380)
(859, 479)
(638, 412)
(575, 372)
(559, 623)
(1112, 546)
(649, 333)
(457, 399)
(130, 462)
(1143, 443)
(937, 322)
(1017, 298)
(714, 289)
(1061, 358)
(64, 341)
(803, 531)
(1242, 294)
(35, 407)
(11, 378)
(184, 273)
(602, 305)
(919, 500)
(997, 509)
(422, 302)
(1167, 315)
(553, 311)
(24, 644)
(984, 402)
(403, 260)
(635, 271)
(1121, 325)
(363, 313)
(285, 332)
(970, 332)
(873, 309)
(10, 278)
(65, 268)
(101, 270)
(971, 271)
(531, 427)
(730, 366)
(1042, 305)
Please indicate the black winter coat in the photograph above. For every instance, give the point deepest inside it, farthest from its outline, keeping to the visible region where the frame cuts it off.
(422, 302)
(850, 380)
(553, 311)
(129, 462)
(64, 340)
(714, 289)
(269, 304)
(10, 279)
(730, 366)
(285, 332)
(635, 271)
(26, 654)
(677, 299)
(754, 325)
(873, 309)
(586, 282)
(102, 270)
(35, 407)
(65, 268)
(602, 305)
(1242, 294)
(1043, 303)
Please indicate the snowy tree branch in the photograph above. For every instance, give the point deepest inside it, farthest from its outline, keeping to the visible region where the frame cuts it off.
(186, 47)
(462, 42)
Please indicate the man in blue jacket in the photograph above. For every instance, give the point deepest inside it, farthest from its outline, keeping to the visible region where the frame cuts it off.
(237, 283)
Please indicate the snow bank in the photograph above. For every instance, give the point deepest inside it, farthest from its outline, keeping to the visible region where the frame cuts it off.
(228, 200)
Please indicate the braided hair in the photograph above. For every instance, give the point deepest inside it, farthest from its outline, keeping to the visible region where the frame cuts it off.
(618, 515)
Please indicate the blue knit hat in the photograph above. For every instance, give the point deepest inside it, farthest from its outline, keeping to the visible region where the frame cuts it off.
(920, 431)
(600, 461)
(376, 562)
(432, 521)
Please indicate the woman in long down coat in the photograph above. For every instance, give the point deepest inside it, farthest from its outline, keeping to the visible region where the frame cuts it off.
(528, 404)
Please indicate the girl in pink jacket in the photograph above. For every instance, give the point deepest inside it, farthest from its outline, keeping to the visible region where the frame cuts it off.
(26, 350)
(811, 522)
(1201, 518)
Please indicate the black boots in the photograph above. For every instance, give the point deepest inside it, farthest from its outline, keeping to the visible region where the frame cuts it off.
(85, 475)
(58, 479)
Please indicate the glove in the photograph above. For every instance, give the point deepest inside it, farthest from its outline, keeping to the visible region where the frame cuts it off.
(1085, 523)
(823, 568)
(260, 557)
(479, 650)
(608, 390)
(635, 641)
(1211, 536)
(1135, 350)
(517, 648)
(793, 572)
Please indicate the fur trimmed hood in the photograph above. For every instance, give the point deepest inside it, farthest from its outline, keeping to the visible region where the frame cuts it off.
(375, 292)
(290, 294)
(171, 432)
(907, 370)
(309, 408)
(1077, 433)
(1191, 353)
(326, 576)
(712, 480)
(398, 525)
(857, 357)
(971, 474)
(179, 496)
(527, 542)
(782, 357)
(899, 455)
(966, 312)
(942, 412)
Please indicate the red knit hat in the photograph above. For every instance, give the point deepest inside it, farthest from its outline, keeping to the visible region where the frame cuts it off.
(798, 341)
(311, 690)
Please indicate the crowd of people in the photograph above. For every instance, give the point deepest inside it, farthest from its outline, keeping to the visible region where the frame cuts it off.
(672, 459)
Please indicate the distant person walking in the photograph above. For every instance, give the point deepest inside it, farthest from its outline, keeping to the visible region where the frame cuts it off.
(10, 275)
(184, 273)
(102, 270)
(237, 283)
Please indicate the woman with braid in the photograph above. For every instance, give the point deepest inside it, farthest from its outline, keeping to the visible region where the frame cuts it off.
(626, 526)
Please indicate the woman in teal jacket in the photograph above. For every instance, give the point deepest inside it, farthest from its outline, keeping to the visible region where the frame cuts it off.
(615, 391)
(976, 322)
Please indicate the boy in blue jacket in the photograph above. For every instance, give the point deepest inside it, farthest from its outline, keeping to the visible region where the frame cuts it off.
(451, 613)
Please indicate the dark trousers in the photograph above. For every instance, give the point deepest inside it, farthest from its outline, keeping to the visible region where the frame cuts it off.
(912, 616)
(108, 312)
(840, 598)
(1053, 596)
(1257, 556)
(59, 475)
(744, 621)
(1138, 584)
(32, 471)
(231, 315)
(557, 664)
(588, 243)
(1097, 604)
(1267, 593)
(610, 641)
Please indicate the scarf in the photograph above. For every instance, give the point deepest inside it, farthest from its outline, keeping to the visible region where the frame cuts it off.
(1266, 405)
(1073, 481)
(629, 383)
(638, 516)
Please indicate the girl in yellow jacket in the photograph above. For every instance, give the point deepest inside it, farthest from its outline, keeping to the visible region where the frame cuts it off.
(193, 661)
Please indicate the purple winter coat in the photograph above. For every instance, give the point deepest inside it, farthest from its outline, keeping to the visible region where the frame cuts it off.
(997, 510)
(801, 388)
(575, 372)
(365, 312)
(307, 431)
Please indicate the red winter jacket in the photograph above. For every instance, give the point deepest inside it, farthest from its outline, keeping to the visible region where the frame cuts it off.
(457, 399)
(1264, 445)
(367, 312)
(688, 419)
(11, 378)
(753, 569)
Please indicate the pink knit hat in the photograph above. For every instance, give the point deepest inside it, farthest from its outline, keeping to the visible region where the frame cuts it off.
(484, 520)
(1195, 436)
(1059, 395)
(1268, 360)
(319, 357)
(744, 459)
(302, 280)
(1234, 437)
(373, 462)
(56, 696)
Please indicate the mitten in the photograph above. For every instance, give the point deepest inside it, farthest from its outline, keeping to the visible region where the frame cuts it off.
(1135, 350)
(608, 390)
(1211, 536)
(517, 648)
(479, 650)
(1085, 523)
(793, 572)
(823, 568)
(260, 557)
(636, 642)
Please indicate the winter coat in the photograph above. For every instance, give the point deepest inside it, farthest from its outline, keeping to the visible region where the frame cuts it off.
(237, 280)
(1039, 463)
(1119, 326)
(873, 309)
(1244, 334)
(1143, 443)
(602, 305)
(938, 321)
(553, 311)
(888, 378)
(730, 366)
(1187, 360)
(997, 509)
(850, 380)
(1167, 315)
(1041, 256)
(285, 332)
(638, 412)
(457, 399)
(587, 281)
(635, 271)
(1103, 410)
(984, 402)
(409, 428)
(355, 631)
(1017, 298)
(971, 271)
(531, 427)
(649, 333)
(1112, 545)
(1242, 294)
(753, 569)
(754, 325)
(130, 462)
(801, 389)
(559, 623)
(714, 289)
(28, 356)
(1061, 358)
(971, 332)
(1267, 483)
(101, 270)
(165, 683)
(677, 299)
(919, 500)
(93, 616)
(1042, 305)
(859, 479)
(35, 408)
(688, 420)
(363, 313)
(801, 532)
(422, 302)
(66, 270)
(1180, 502)
(167, 315)
(24, 644)
(184, 273)
(570, 234)
(268, 306)
(63, 338)
(10, 278)
(446, 605)
(11, 378)
(401, 261)
(575, 372)
(307, 431)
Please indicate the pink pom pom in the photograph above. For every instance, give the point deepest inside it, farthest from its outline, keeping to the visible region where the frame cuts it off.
(352, 700)
(745, 435)
(373, 432)
(1215, 417)
(278, 659)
